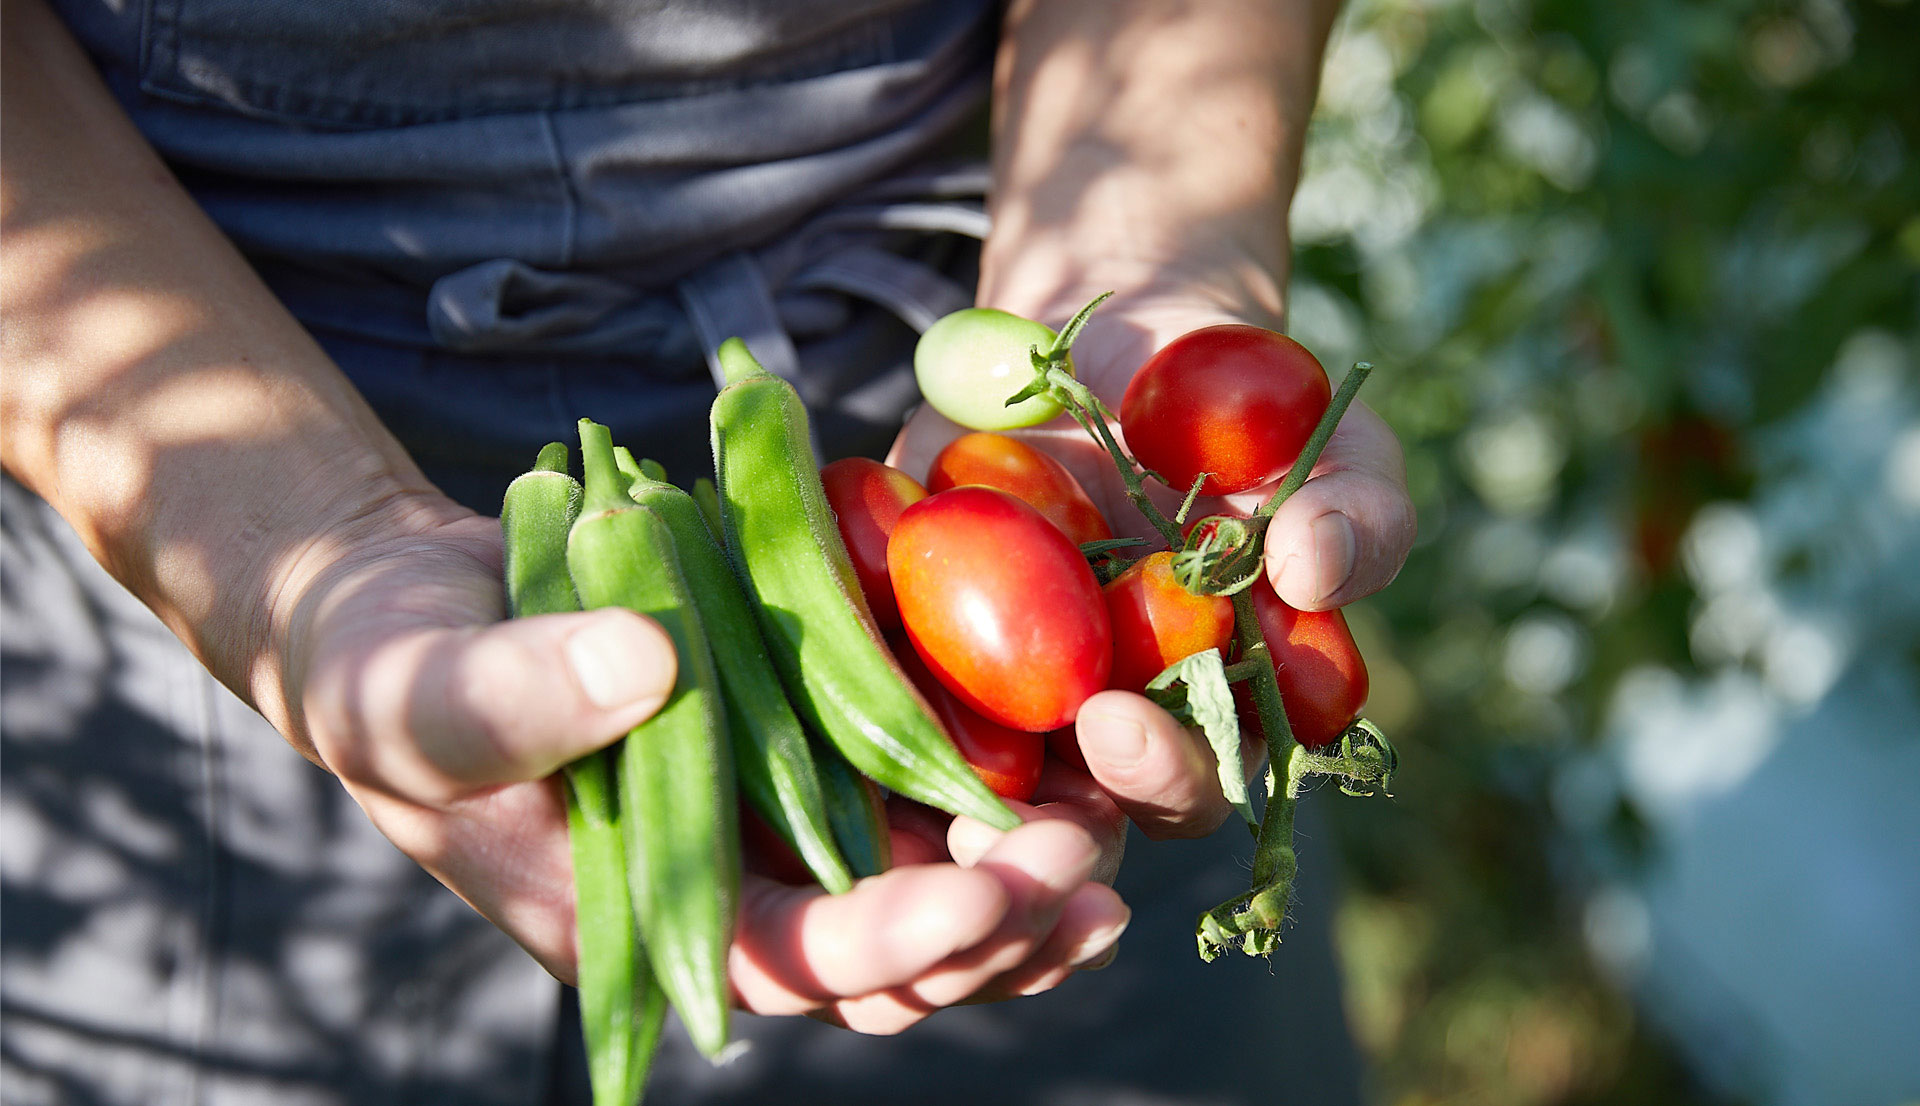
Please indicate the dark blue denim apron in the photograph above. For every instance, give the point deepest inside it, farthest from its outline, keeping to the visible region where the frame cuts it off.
(498, 217)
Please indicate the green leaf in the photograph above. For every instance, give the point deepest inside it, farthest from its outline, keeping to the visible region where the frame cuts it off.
(1207, 701)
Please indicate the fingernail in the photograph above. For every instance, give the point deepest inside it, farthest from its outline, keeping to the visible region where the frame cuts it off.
(1317, 573)
(620, 663)
(968, 840)
(1113, 740)
(1098, 949)
(1045, 983)
(1333, 548)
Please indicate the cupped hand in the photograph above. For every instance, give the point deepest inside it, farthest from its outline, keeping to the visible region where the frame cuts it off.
(446, 724)
(968, 914)
(1342, 536)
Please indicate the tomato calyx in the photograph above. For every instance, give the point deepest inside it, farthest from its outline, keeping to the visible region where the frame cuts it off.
(1054, 357)
(1221, 555)
(1102, 556)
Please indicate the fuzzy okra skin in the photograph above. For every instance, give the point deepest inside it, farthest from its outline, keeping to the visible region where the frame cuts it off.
(676, 789)
(622, 1008)
(782, 533)
(772, 760)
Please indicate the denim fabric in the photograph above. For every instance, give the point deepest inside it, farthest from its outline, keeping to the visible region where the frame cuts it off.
(196, 915)
(397, 143)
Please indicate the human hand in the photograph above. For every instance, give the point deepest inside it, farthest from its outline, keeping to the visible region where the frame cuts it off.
(1342, 536)
(446, 725)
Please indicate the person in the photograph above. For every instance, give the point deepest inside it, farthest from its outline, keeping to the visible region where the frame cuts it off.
(289, 295)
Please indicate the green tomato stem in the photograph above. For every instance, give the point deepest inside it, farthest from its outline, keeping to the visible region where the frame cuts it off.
(1254, 919)
(1094, 417)
(1322, 431)
(1063, 341)
(1246, 667)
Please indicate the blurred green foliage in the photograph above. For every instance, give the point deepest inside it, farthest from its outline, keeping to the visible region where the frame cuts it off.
(1597, 250)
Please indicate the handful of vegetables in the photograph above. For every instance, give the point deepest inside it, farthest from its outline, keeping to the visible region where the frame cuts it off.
(844, 628)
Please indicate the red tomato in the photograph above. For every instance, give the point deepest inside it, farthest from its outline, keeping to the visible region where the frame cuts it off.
(867, 497)
(1235, 401)
(1001, 606)
(1157, 622)
(1027, 474)
(1007, 760)
(764, 851)
(1065, 745)
(1323, 680)
(918, 833)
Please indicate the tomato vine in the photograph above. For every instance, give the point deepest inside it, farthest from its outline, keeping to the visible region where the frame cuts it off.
(1223, 556)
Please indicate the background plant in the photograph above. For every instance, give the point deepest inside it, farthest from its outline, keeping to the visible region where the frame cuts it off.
(1641, 280)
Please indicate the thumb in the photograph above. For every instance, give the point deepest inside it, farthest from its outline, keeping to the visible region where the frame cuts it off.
(441, 712)
(1347, 531)
(1150, 766)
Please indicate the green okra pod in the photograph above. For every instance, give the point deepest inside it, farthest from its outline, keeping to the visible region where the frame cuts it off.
(856, 813)
(622, 1009)
(624, 460)
(838, 671)
(708, 497)
(676, 774)
(773, 762)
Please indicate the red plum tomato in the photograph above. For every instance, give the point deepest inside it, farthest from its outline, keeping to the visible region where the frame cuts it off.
(1064, 744)
(1156, 621)
(867, 498)
(1322, 677)
(1235, 401)
(1001, 606)
(1024, 472)
(764, 851)
(1007, 760)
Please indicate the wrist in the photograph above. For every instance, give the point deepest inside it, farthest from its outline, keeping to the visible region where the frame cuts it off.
(1044, 285)
(363, 520)
(1152, 304)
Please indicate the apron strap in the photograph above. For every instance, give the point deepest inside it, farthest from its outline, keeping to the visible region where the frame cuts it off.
(916, 293)
(728, 298)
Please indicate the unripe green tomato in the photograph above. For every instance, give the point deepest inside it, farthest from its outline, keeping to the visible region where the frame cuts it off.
(971, 362)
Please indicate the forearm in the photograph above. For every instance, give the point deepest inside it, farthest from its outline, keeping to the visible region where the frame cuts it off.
(1137, 142)
(155, 392)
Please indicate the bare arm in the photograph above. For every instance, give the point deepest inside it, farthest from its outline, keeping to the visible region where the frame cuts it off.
(1144, 146)
(156, 394)
(219, 465)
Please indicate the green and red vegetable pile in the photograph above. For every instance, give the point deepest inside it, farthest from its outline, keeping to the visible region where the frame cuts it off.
(847, 629)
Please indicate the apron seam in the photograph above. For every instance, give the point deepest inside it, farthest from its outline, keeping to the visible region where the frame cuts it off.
(569, 194)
